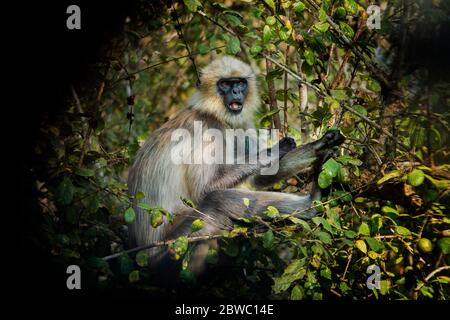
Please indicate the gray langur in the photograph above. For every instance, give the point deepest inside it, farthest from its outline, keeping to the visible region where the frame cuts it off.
(227, 98)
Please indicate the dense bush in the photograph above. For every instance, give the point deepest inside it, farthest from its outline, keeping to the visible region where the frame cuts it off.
(319, 67)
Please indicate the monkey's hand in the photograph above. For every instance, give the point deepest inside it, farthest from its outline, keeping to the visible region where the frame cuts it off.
(332, 138)
(327, 146)
(285, 145)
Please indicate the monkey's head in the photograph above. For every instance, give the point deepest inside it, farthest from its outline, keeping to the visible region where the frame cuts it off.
(228, 90)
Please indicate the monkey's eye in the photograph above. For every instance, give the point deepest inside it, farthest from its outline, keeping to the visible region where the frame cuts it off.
(242, 84)
(224, 85)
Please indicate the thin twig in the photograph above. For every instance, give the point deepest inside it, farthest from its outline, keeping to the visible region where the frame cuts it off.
(348, 264)
(429, 276)
(160, 244)
(186, 45)
(295, 75)
(285, 112)
(346, 57)
(130, 74)
(272, 97)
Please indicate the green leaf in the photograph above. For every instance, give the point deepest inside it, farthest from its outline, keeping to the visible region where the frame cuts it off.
(325, 179)
(271, 212)
(203, 49)
(402, 231)
(322, 26)
(343, 195)
(142, 258)
(339, 94)
(303, 223)
(188, 202)
(299, 7)
(318, 205)
(322, 15)
(267, 34)
(361, 245)
(196, 225)
(84, 172)
(444, 244)
(233, 45)
(350, 234)
(309, 57)
(388, 176)
(140, 195)
(331, 167)
(345, 159)
(375, 245)
(324, 237)
(360, 109)
(283, 35)
(254, 50)
(351, 6)
(192, 5)
(344, 287)
(65, 191)
(294, 271)
(373, 85)
(435, 138)
(271, 20)
(364, 229)
(144, 206)
(212, 257)
(440, 184)
(325, 273)
(268, 239)
(156, 218)
(180, 245)
(387, 209)
(188, 277)
(347, 30)
(340, 13)
(323, 222)
(126, 264)
(133, 276)
(97, 263)
(271, 4)
(129, 215)
(384, 286)
(416, 177)
(233, 19)
(297, 293)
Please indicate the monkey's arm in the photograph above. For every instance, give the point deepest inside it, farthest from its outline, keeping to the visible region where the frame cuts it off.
(302, 159)
(292, 162)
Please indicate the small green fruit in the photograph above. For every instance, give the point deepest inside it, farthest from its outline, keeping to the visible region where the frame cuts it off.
(424, 245)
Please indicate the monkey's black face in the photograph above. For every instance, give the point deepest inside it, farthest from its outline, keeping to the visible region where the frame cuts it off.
(234, 91)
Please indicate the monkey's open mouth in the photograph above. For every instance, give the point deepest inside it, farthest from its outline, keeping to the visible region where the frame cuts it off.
(235, 106)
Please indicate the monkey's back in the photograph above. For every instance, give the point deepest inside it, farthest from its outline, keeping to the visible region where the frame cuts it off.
(162, 181)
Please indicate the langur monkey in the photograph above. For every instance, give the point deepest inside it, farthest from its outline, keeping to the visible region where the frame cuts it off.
(227, 98)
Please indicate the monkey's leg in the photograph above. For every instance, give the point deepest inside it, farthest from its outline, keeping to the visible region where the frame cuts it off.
(220, 209)
(302, 159)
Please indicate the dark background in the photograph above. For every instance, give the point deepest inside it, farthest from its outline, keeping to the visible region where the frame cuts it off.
(52, 58)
